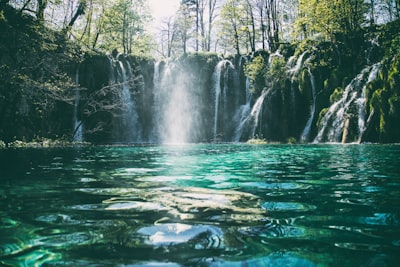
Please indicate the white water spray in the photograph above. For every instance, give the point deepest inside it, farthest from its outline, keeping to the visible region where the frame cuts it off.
(78, 125)
(220, 68)
(306, 131)
(131, 130)
(333, 123)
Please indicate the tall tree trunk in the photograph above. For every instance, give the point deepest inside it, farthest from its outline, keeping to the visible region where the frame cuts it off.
(124, 32)
(262, 27)
(275, 24)
(197, 25)
(211, 9)
(79, 11)
(372, 14)
(253, 27)
(42, 4)
(236, 36)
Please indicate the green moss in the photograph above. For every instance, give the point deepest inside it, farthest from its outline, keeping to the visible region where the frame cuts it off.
(336, 95)
(255, 71)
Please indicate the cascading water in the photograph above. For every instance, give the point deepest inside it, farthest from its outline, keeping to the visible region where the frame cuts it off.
(78, 125)
(253, 118)
(221, 70)
(129, 128)
(306, 132)
(335, 124)
(256, 113)
(294, 70)
(192, 103)
(243, 114)
(157, 100)
(363, 99)
(173, 105)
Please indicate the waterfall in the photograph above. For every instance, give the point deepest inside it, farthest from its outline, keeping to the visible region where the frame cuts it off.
(306, 132)
(363, 99)
(129, 129)
(294, 71)
(217, 92)
(78, 125)
(252, 117)
(157, 100)
(173, 104)
(334, 126)
(256, 112)
(221, 70)
(243, 114)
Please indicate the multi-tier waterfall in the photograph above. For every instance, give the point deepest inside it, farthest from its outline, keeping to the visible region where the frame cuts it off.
(208, 99)
(340, 121)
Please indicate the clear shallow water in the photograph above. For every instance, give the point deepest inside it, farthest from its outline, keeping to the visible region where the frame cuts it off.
(201, 205)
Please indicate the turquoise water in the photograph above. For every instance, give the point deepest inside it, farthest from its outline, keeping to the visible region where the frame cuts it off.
(201, 205)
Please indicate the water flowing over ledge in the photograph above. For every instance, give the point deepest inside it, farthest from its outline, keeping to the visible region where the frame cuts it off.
(195, 99)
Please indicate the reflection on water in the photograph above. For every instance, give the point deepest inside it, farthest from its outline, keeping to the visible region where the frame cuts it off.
(201, 205)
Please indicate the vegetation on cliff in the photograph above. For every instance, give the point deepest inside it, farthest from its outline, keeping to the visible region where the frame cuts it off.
(43, 67)
(36, 70)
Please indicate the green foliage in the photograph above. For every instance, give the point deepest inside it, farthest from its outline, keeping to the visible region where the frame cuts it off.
(277, 72)
(255, 71)
(233, 26)
(117, 25)
(35, 77)
(336, 95)
(326, 18)
(385, 100)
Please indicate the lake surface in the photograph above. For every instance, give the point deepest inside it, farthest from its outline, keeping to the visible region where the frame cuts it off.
(201, 205)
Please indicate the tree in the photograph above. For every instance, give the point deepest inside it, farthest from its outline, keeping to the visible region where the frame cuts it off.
(120, 25)
(251, 21)
(169, 36)
(329, 18)
(272, 24)
(232, 18)
(80, 10)
(183, 26)
(211, 18)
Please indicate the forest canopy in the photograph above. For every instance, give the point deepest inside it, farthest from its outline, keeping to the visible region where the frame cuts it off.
(225, 26)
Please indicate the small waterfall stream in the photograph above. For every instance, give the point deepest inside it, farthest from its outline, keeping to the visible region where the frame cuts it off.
(128, 129)
(78, 125)
(252, 118)
(335, 125)
(306, 132)
(256, 113)
(243, 114)
(220, 75)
